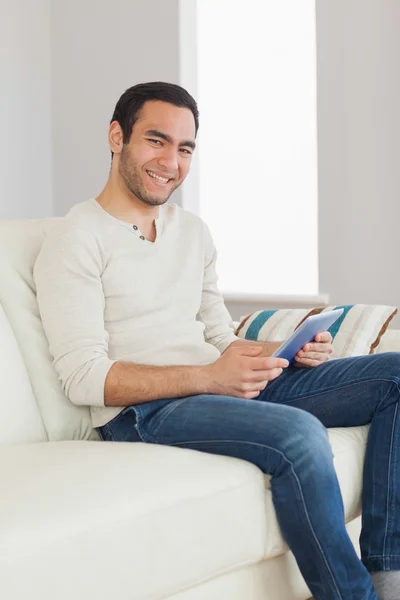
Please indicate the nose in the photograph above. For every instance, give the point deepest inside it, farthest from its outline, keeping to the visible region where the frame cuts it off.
(169, 160)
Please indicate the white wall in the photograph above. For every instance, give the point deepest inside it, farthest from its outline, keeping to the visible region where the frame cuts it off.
(359, 150)
(63, 66)
(99, 49)
(25, 149)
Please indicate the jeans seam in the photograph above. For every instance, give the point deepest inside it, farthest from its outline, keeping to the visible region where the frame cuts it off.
(138, 423)
(395, 381)
(100, 434)
(169, 409)
(108, 432)
(299, 488)
(367, 558)
(343, 387)
(388, 480)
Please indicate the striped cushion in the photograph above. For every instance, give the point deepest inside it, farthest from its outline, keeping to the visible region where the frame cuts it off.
(358, 331)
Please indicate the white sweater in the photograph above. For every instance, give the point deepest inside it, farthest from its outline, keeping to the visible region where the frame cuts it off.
(105, 295)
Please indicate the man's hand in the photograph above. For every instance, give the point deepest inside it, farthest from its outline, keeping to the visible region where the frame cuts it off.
(268, 348)
(242, 371)
(315, 353)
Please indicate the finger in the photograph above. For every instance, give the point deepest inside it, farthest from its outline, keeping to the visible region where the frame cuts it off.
(257, 376)
(265, 375)
(261, 383)
(257, 388)
(271, 362)
(250, 395)
(274, 373)
(312, 347)
(318, 356)
(260, 386)
(324, 337)
(309, 362)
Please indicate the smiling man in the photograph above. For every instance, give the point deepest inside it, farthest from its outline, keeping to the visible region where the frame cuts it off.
(128, 294)
(148, 161)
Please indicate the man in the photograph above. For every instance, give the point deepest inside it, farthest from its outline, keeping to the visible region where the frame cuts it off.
(127, 290)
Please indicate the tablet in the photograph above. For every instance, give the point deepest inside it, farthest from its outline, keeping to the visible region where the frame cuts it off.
(306, 333)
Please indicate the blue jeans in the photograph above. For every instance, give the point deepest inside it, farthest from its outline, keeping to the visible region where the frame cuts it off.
(283, 432)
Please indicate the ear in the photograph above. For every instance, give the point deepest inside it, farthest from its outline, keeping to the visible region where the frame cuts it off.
(115, 137)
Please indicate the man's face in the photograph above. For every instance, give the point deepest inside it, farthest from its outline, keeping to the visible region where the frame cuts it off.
(158, 156)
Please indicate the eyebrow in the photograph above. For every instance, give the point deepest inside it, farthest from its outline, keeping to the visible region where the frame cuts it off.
(168, 138)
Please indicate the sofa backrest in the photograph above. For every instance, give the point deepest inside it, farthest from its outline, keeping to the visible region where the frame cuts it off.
(20, 420)
(31, 397)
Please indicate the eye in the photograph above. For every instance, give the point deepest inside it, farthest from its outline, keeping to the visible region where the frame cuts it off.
(154, 141)
(186, 151)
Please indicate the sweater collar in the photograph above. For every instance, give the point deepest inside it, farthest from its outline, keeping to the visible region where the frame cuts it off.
(159, 220)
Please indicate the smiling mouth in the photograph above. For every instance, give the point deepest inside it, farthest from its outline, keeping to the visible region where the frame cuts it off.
(158, 177)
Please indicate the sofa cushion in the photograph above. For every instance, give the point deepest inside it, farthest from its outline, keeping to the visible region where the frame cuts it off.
(357, 332)
(20, 419)
(160, 519)
(20, 242)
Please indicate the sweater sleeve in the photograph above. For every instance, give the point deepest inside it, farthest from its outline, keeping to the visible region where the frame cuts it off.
(70, 295)
(219, 328)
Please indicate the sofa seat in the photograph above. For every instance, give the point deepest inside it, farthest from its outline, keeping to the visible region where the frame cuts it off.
(181, 518)
(160, 519)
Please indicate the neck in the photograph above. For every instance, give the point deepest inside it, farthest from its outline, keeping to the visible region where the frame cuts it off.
(119, 202)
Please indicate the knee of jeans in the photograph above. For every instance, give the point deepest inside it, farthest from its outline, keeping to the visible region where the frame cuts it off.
(394, 358)
(308, 439)
(387, 366)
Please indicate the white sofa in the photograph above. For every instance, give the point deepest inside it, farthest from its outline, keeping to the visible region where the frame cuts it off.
(83, 519)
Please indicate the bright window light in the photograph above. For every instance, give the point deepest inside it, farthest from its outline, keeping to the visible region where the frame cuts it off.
(258, 142)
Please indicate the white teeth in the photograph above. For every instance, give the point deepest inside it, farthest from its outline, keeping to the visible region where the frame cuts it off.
(162, 179)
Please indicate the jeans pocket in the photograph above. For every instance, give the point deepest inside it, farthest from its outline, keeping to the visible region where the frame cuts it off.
(122, 428)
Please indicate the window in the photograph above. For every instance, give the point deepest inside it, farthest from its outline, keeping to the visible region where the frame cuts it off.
(257, 162)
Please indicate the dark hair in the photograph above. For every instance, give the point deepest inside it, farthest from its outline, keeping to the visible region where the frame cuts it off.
(128, 107)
